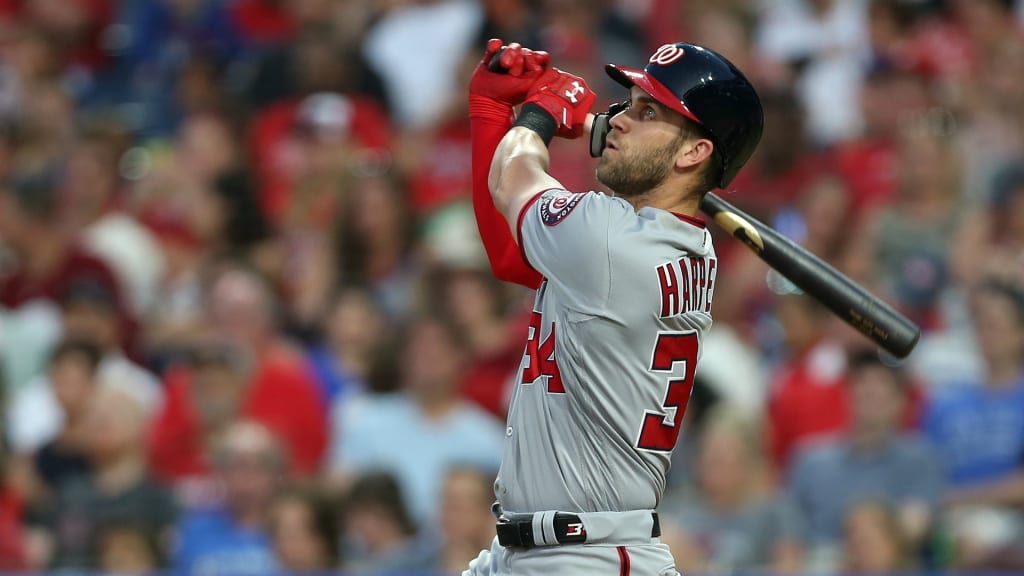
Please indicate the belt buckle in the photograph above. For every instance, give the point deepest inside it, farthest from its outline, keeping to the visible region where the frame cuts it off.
(515, 533)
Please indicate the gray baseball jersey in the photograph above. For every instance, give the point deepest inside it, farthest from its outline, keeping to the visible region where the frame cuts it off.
(611, 353)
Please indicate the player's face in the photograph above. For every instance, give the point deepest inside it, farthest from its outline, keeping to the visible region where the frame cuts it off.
(642, 147)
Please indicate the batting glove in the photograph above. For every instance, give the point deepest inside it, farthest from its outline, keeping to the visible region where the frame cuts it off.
(564, 96)
(507, 77)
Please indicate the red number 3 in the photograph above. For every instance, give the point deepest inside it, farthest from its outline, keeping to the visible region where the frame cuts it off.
(660, 430)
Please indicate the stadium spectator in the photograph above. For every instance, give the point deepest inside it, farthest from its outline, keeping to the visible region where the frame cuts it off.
(223, 209)
(437, 158)
(380, 534)
(73, 378)
(46, 125)
(202, 207)
(873, 460)
(869, 163)
(44, 263)
(94, 207)
(234, 537)
(320, 123)
(161, 38)
(815, 217)
(906, 244)
(419, 432)
(305, 532)
(733, 519)
(375, 242)
(232, 226)
(118, 488)
(806, 394)
(181, 448)
(975, 426)
(354, 332)
(978, 427)
(477, 303)
(778, 172)
(991, 242)
(466, 521)
(88, 314)
(280, 391)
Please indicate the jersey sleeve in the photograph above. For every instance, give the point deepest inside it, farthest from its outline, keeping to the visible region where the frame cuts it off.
(565, 236)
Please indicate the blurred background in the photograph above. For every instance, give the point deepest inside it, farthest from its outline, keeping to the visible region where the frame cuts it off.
(247, 326)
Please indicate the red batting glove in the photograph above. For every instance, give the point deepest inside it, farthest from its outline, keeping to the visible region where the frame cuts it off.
(518, 69)
(566, 97)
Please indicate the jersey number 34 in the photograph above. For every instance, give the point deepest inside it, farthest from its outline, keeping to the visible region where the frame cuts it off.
(660, 429)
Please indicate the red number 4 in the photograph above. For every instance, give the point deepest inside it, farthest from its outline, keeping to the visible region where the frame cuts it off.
(542, 358)
(660, 430)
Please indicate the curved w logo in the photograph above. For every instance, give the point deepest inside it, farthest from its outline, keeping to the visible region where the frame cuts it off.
(667, 54)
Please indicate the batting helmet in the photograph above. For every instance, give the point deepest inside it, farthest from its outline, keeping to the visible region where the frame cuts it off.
(703, 86)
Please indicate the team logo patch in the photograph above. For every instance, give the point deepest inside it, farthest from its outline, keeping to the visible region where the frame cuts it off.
(555, 206)
(667, 54)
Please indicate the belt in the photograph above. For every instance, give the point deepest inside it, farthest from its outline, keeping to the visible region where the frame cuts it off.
(552, 528)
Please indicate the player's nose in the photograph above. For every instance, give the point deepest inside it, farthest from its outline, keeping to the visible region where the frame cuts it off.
(619, 121)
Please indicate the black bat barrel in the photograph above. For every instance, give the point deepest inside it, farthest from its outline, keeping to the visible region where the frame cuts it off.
(867, 313)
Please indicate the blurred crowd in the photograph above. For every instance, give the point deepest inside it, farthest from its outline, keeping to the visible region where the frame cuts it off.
(247, 325)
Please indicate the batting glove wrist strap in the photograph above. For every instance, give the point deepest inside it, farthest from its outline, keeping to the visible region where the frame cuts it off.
(539, 120)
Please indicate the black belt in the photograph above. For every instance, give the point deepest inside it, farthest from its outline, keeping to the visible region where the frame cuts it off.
(516, 530)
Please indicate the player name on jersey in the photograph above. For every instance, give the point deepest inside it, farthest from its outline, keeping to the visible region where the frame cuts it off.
(687, 285)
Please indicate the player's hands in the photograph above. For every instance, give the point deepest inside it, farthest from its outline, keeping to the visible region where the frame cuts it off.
(519, 69)
(566, 97)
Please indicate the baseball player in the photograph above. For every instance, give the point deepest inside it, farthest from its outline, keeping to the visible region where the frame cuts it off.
(624, 288)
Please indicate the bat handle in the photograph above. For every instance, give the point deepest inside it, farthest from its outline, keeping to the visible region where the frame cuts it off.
(495, 63)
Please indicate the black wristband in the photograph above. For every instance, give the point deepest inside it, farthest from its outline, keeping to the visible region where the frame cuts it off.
(537, 119)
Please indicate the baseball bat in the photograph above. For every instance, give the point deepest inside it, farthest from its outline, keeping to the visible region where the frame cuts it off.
(864, 311)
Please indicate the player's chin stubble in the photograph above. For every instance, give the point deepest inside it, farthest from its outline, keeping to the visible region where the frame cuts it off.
(636, 172)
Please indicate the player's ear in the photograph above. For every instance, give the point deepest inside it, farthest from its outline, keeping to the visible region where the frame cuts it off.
(693, 151)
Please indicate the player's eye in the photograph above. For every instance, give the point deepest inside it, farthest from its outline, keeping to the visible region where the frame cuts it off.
(648, 113)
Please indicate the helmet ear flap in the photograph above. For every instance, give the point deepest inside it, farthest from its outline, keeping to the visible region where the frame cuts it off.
(601, 126)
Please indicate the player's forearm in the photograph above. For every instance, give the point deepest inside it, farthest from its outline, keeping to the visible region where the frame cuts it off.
(519, 171)
(489, 123)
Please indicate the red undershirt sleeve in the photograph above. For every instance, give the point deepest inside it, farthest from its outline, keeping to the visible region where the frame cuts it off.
(489, 121)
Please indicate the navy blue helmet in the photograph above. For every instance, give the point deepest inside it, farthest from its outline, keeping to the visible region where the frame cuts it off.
(703, 86)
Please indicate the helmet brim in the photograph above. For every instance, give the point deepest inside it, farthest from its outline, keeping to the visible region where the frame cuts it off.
(630, 77)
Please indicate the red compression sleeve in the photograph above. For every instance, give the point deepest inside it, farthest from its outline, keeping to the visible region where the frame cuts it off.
(489, 121)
